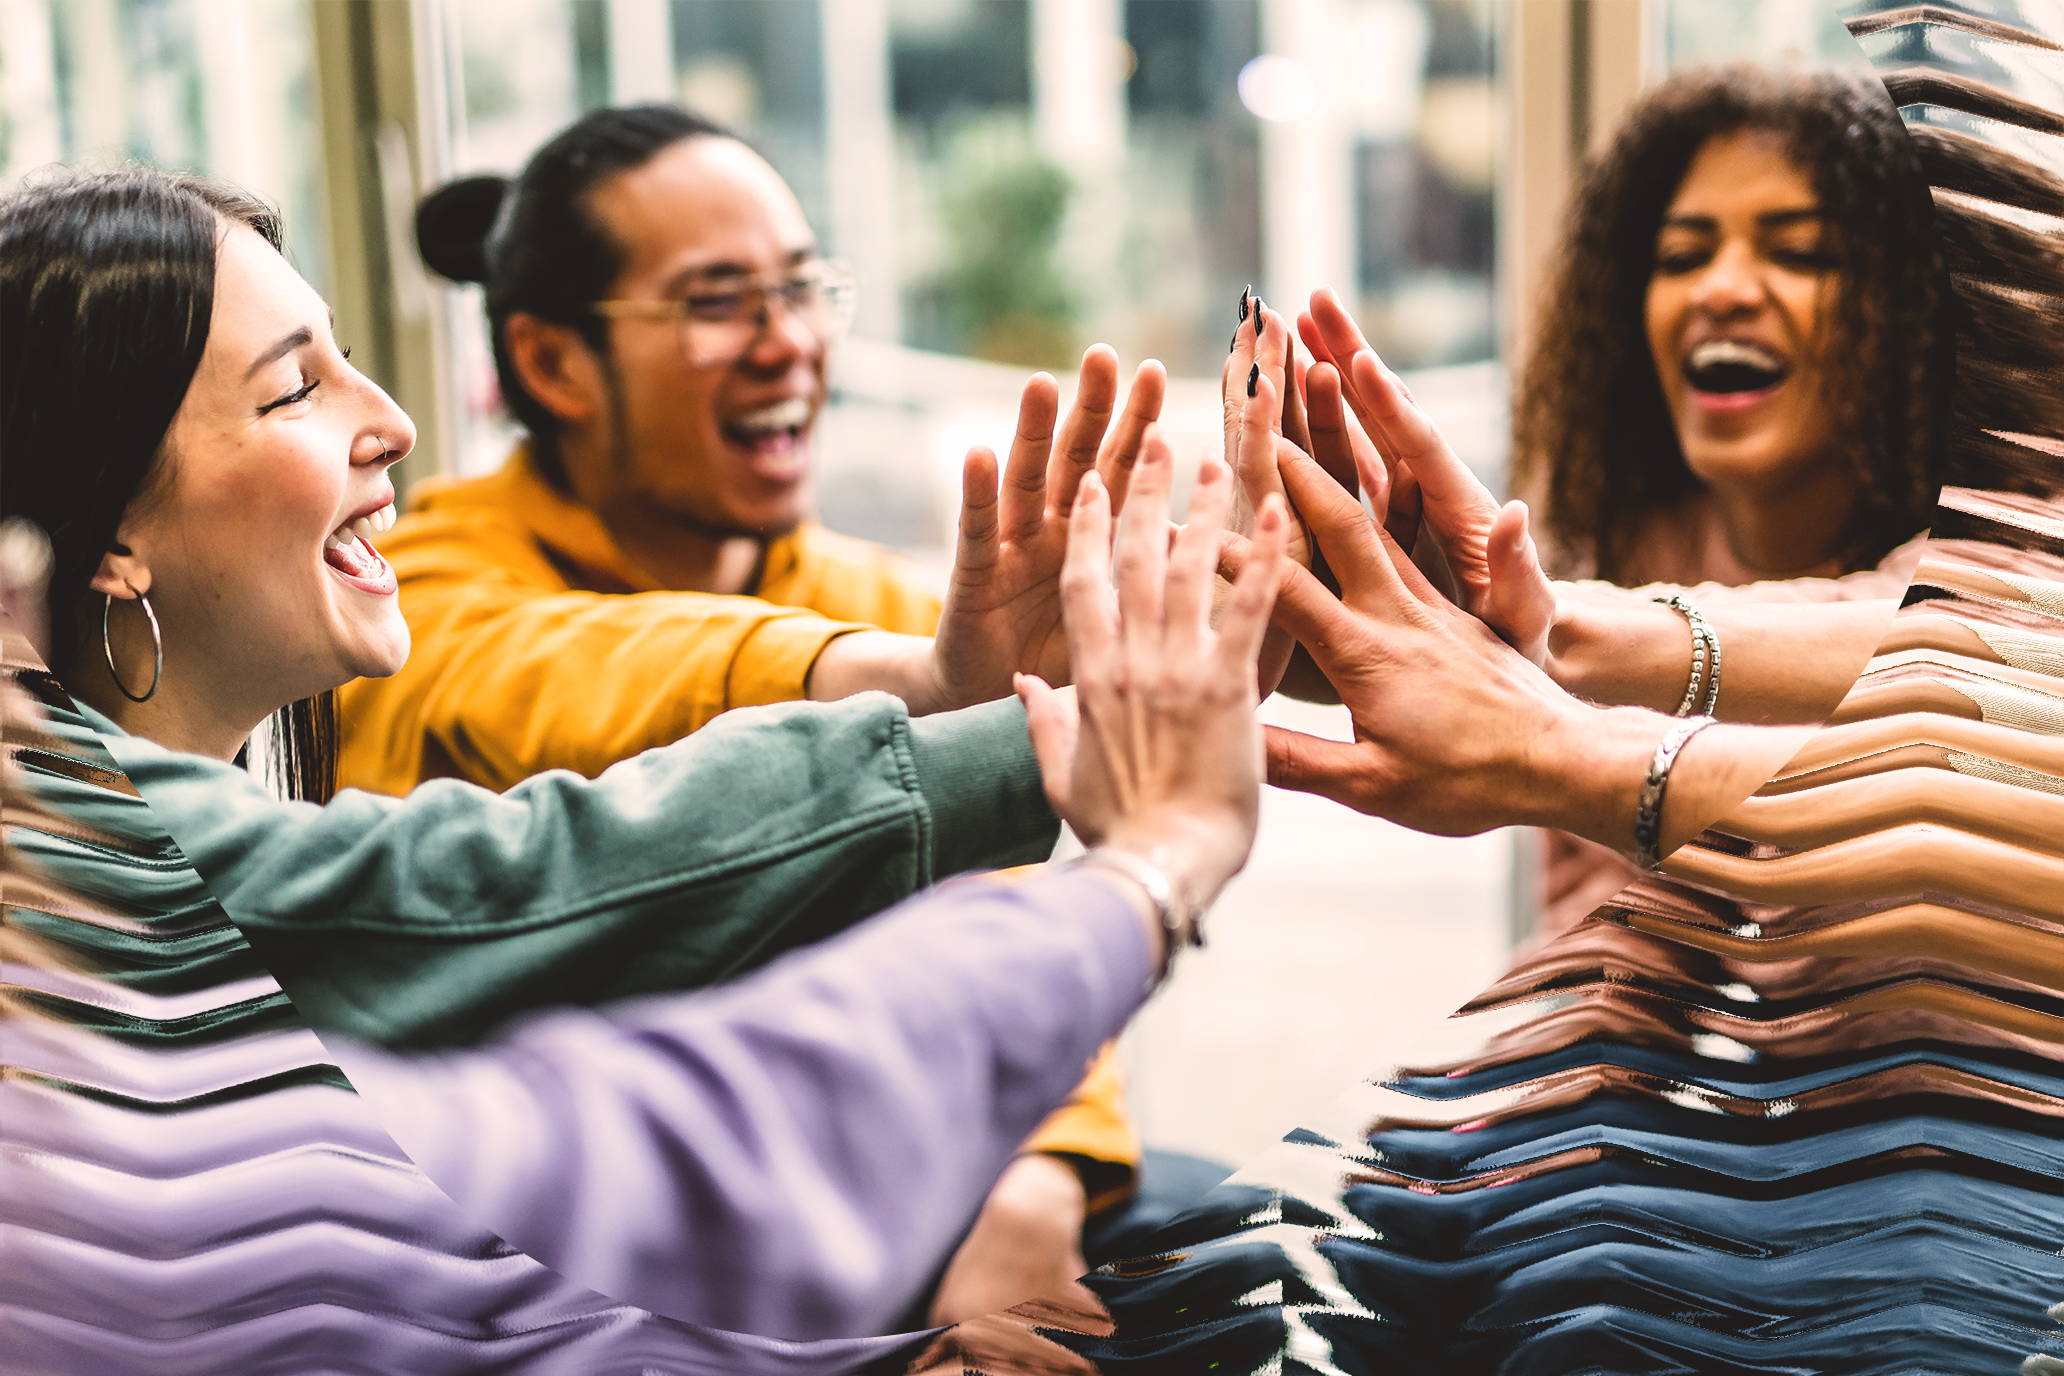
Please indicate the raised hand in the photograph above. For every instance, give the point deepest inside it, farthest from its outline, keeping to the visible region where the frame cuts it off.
(1488, 548)
(1002, 612)
(1163, 757)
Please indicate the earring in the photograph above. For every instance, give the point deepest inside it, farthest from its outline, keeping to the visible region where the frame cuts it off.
(157, 645)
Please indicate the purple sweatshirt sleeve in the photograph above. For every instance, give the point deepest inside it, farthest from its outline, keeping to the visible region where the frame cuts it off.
(795, 1154)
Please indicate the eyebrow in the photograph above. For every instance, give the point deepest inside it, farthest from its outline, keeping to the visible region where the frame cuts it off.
(699, 271)
(1769, 219)
(280, 350)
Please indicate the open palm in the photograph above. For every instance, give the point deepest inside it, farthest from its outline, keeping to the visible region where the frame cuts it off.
(1002, 614)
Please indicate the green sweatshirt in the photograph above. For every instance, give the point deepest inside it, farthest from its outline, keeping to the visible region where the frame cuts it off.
(426, 920)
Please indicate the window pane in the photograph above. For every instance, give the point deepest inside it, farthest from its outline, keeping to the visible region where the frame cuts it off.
(101, 82)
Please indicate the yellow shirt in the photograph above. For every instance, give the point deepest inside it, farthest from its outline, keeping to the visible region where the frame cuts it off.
(538, 645)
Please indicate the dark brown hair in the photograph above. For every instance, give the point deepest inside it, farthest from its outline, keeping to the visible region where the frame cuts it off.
(1591, 429)
(107, 282)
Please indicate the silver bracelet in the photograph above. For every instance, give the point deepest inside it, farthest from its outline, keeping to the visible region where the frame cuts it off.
(1705, 657)
(1182, 918)
(1648, 815)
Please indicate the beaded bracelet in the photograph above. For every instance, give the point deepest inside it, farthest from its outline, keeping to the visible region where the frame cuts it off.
(1648, 815)
(1705, 657)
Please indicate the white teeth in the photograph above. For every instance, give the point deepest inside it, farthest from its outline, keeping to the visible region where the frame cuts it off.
(1714, 353)
(792, 414)
(363, 527)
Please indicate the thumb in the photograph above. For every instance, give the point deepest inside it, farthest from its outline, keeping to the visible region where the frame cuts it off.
(1051, 719)
(1520, 602)
(1311, 764)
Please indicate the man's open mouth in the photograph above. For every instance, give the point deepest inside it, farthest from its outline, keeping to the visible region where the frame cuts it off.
(1732, 365)
(778, 426)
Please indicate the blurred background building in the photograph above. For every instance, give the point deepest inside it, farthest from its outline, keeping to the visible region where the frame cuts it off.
(1012, 179)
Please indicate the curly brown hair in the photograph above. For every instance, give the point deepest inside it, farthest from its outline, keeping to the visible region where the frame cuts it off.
(1591, 428)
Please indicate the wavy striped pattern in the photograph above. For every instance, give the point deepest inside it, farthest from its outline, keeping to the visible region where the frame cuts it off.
(187, 1185)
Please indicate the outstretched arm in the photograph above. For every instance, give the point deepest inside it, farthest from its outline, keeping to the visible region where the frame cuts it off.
(1457, 733)
(792, 1155)
(428, 919)
(1782, 662)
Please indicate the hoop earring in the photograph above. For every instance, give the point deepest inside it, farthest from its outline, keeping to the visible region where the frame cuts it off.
(157, 645)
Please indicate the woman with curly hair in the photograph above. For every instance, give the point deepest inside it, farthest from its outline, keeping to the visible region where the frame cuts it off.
(1744, 368)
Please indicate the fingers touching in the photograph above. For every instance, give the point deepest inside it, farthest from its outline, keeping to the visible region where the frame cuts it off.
(1372, 569)
(1162, 593)
(1330, 332)
(1296, 425)
(1247, 613)
(1408, 437)
(1256, 445)
(1091, 610)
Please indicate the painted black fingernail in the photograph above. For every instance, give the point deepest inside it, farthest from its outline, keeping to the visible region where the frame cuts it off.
(1259, 311)
(1249, 291)
(1253, 377)
(1236, 340)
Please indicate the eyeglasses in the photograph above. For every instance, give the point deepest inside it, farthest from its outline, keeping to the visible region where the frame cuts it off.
(722, 317)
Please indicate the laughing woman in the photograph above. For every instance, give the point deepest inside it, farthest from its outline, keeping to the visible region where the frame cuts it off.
(212, 472)
(1742, 372)
(1744, 364)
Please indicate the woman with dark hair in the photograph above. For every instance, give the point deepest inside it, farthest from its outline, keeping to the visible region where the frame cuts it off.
(1744, 366)
(110, 417)
(176, 412)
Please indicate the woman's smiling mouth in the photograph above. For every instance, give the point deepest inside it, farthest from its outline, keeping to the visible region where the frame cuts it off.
(349, 552)
(1725, 367)
(1730, 376)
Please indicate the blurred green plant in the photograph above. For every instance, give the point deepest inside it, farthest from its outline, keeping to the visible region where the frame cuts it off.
(1004, 292)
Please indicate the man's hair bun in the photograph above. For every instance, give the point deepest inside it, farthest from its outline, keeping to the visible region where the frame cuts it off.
(452, 225)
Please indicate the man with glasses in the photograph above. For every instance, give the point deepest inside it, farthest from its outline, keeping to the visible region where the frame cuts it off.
(662, 320)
